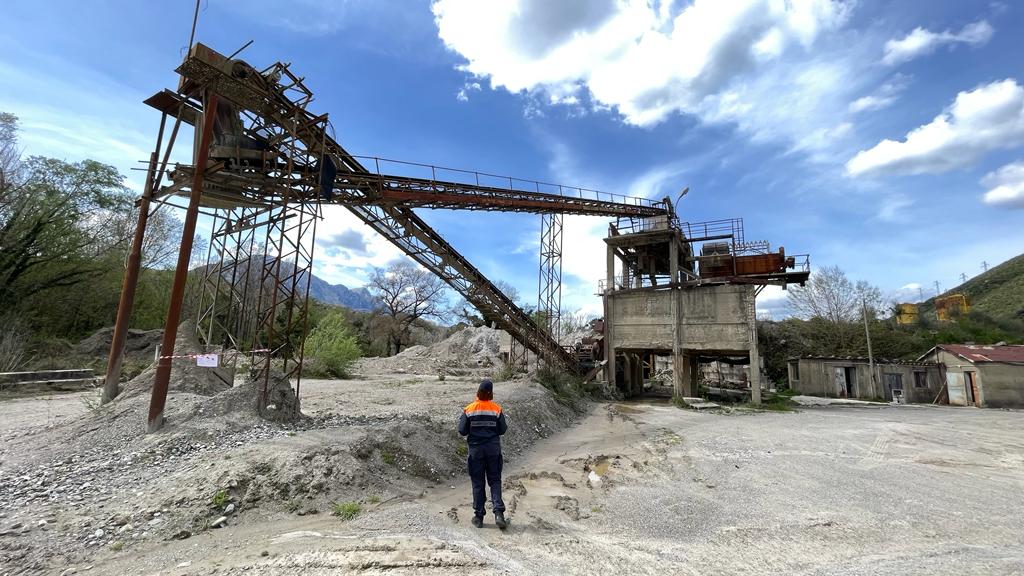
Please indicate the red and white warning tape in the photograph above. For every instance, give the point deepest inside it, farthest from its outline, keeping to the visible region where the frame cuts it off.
(194, 356)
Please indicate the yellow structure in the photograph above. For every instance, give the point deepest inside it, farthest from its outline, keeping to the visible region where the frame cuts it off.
(906, 314)
(950, 305)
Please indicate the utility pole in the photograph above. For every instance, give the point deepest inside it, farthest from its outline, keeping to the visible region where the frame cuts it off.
(871, 356)
(938, 288)
(920, 293)
(984, 265)
(963, 278)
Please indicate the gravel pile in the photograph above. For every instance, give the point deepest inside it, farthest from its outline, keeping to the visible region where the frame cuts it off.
(468, 350)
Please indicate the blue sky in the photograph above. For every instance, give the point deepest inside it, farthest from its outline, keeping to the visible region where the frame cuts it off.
(883, 137)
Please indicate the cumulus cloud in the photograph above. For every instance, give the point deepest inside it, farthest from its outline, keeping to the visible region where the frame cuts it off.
(987, 118)
(645, 59)
(921, 42)
(349, 239)
(348, 251)
(1005, 186)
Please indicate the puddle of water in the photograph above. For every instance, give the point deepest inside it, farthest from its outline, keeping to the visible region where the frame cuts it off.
(601, 466)
(624, 409)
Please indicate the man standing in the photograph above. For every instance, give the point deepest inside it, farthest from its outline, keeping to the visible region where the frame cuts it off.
(483, 423)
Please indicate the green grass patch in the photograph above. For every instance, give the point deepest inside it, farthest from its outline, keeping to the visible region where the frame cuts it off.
(219, 499)
(346, 510)
(387, 457)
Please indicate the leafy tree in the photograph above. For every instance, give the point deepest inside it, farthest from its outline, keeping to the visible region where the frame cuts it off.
(331, 344)
(54, 229)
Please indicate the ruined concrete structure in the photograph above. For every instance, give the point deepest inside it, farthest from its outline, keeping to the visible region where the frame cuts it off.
(916, 382)
(661, 298)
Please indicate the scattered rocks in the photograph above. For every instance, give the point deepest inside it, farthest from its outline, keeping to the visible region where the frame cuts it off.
(219, 522)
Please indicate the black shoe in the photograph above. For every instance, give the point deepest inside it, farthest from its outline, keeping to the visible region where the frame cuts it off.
(478, 521)
(499, 520)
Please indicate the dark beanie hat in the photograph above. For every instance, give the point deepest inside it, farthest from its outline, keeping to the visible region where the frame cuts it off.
(486, 386)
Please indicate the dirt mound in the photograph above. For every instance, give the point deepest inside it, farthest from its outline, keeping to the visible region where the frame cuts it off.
(140, 345)
(186, 376)
(468, 349)
(281, 404)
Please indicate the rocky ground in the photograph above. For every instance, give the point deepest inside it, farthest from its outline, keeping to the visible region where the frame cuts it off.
(638, 488)
(90, 483)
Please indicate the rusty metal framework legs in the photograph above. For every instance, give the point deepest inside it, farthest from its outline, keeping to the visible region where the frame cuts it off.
(162, 377)
(549, 279)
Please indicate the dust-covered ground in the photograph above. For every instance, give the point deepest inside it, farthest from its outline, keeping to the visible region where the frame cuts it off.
(638, 488)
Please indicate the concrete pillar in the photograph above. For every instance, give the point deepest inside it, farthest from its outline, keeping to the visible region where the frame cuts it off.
(694, 370)
(638, 375)
(678, 375)
(755, 357)
(686, 377)
(755, 375)
(627, 375)
(609, 321)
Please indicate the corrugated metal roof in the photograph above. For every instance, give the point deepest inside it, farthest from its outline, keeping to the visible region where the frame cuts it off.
(982, 353)
(864, 360)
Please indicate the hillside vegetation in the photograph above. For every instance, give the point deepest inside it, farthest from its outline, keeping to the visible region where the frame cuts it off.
(998, 293)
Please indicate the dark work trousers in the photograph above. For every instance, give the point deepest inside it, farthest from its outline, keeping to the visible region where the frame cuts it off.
(485, 461)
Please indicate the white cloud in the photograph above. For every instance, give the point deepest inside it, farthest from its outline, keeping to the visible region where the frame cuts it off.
(463, 94)
(634, 56)
(884, 97)
(892, 205)
(773, 303)
(921, 42)
(1005, 186)
(987, 118)
(347, 250)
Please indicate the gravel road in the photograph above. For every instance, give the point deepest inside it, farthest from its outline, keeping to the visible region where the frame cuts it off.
(647, 488)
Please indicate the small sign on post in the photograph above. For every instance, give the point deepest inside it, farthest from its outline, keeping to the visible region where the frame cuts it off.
(207, 360)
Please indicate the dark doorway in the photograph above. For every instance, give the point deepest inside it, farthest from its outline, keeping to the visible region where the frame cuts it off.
(971, 384)
(851, 374)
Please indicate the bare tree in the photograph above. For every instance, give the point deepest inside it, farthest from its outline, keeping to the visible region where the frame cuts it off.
(831, 296)
(407, 293)
(832, 304)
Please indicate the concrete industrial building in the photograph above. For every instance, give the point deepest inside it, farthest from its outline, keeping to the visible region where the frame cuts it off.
(916, 382)
(661, 299)
(985, 376)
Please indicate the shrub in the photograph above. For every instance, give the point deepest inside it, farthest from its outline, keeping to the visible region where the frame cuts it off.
(346, 510)
(332, 347)
(566, 387)
(13, 343)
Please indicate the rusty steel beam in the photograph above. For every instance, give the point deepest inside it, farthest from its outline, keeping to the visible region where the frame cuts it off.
(163, 367)
(431, 193)
(131, 281)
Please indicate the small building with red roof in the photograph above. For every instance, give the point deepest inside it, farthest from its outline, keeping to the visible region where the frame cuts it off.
(990, 376)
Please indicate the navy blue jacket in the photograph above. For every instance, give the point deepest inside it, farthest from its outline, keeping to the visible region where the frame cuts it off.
(482, 422)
